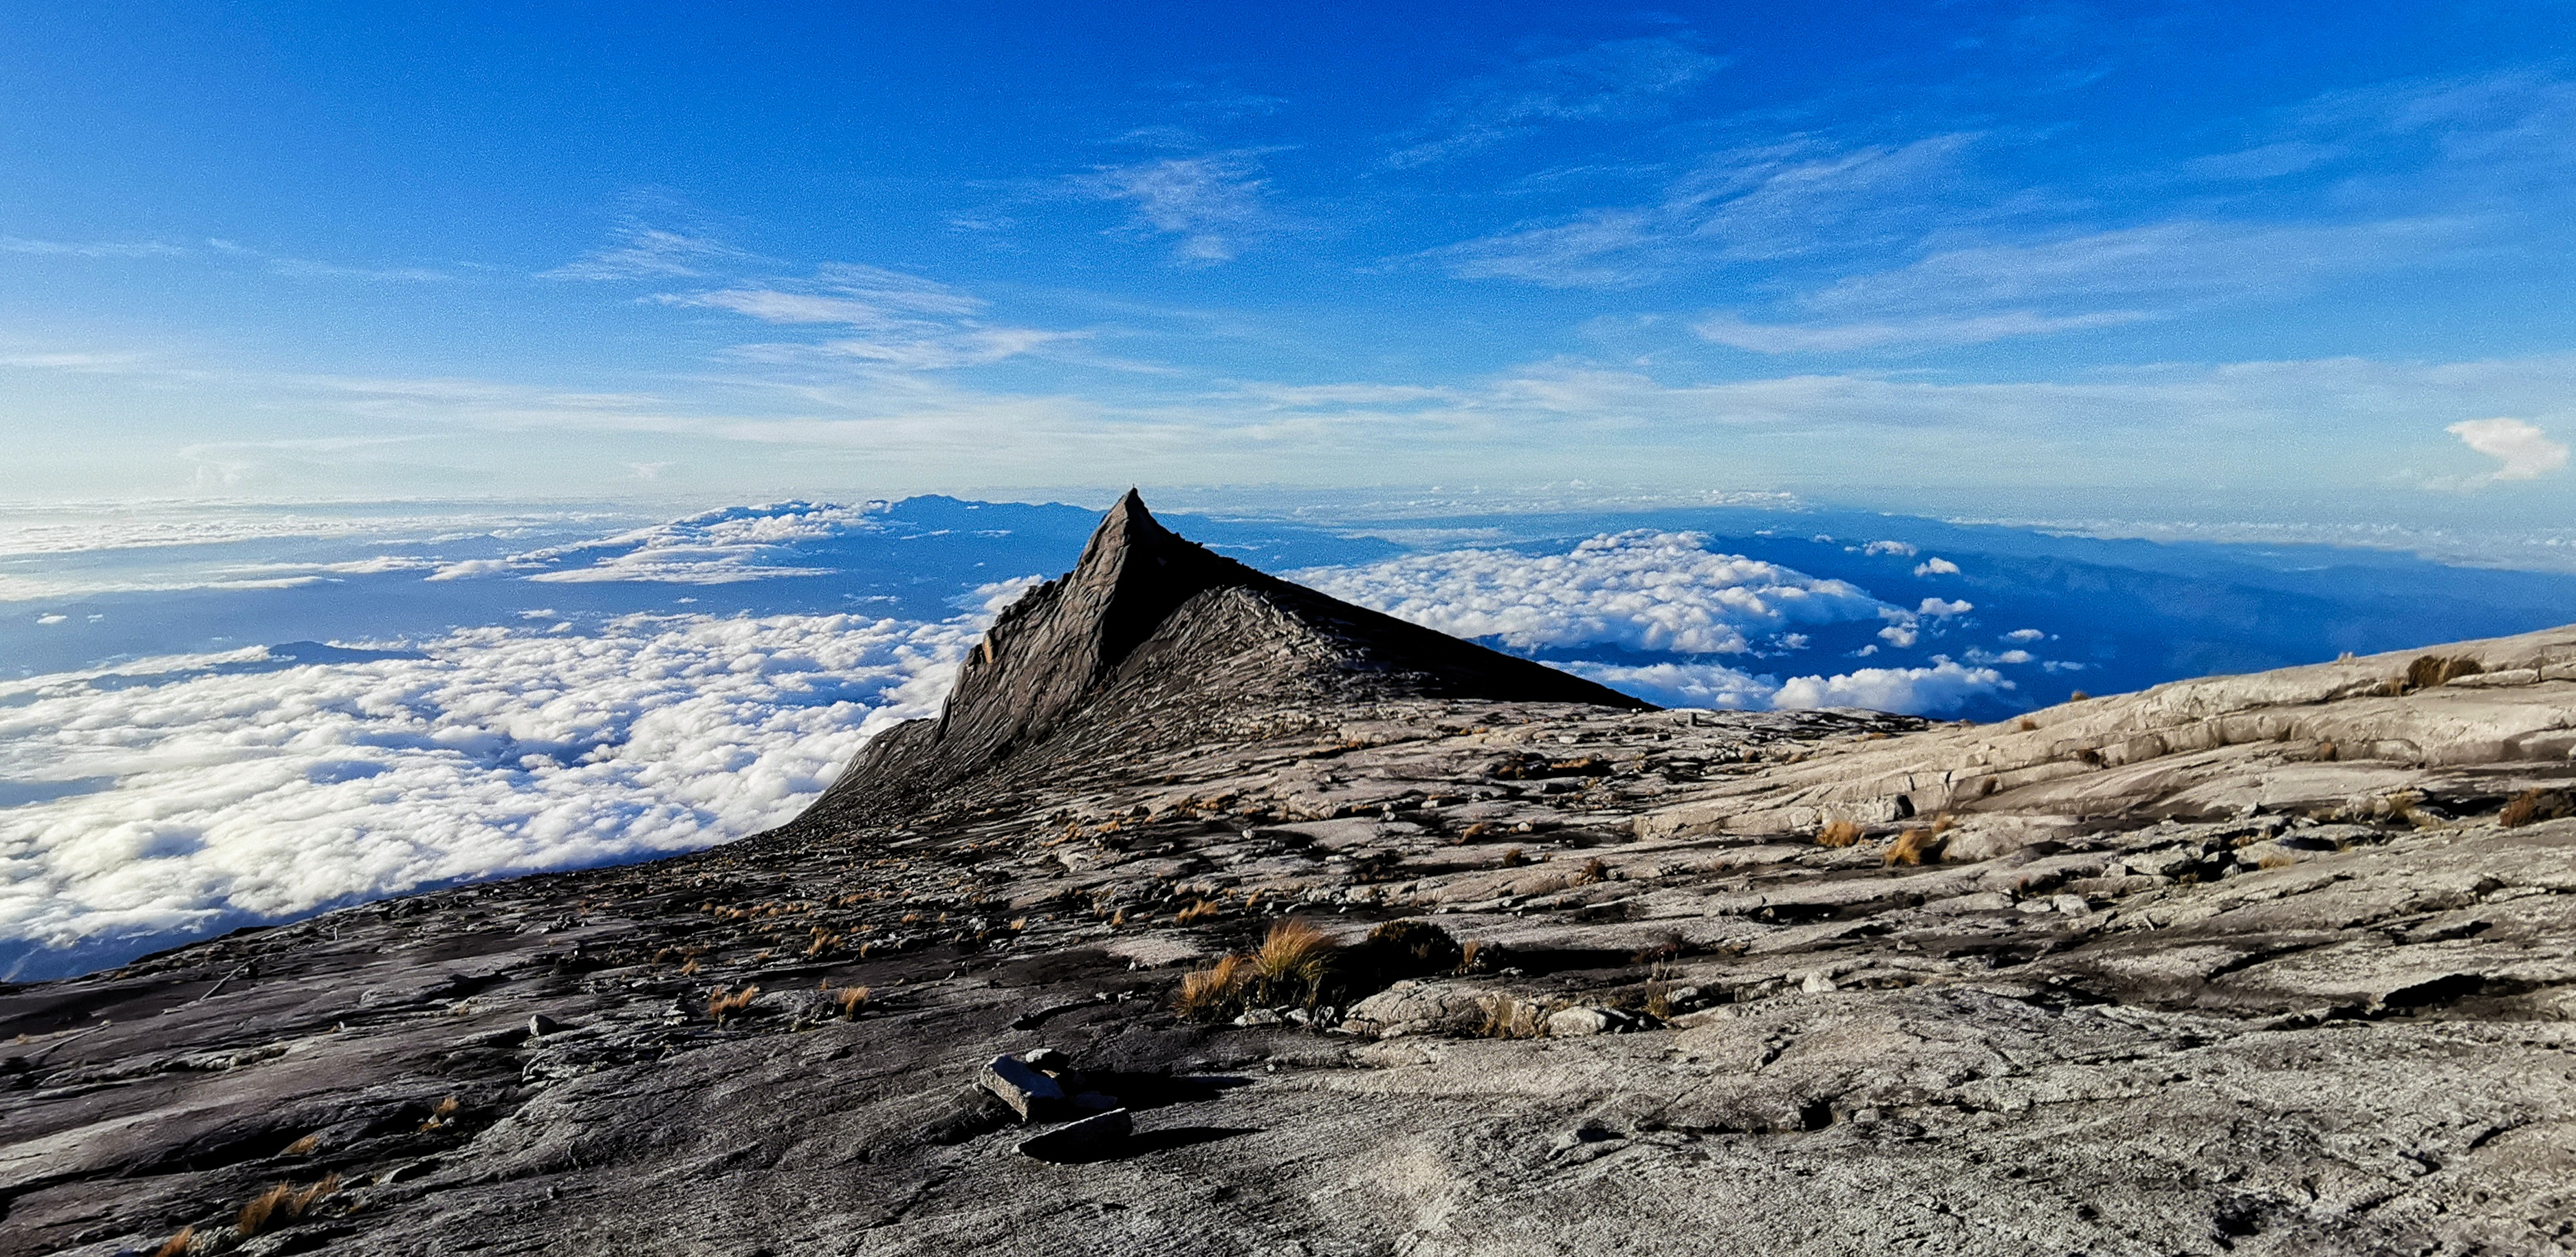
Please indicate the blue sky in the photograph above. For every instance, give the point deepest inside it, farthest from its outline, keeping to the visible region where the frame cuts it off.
(2293, 262)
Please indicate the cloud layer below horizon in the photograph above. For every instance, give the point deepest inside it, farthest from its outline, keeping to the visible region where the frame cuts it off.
(198, 791)
(1628, 597)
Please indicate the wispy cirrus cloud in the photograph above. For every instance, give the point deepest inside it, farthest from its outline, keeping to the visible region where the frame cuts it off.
(91, 248)
(1612, 80)
(1215, 203)
(641, 252)
(891, 320)
(1793, 199)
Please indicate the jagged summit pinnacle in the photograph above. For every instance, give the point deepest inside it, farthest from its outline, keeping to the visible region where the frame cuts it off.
(1151, 632)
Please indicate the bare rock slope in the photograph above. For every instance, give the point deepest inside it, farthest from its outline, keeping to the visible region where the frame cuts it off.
(2278, 963)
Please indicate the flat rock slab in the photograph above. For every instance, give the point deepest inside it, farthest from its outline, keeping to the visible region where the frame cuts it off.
(1032, 1095)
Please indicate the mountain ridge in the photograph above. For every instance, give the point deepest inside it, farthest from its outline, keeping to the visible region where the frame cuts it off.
(1157, 636)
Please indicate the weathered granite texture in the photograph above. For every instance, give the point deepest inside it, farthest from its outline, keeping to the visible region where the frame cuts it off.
(2249, 964)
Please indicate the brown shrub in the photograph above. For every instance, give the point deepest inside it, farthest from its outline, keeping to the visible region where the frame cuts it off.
(1838, 834)
(177, 1245)
(851, 999)
(305, 1145)
(2076, 696)
(1399, 949)
(1593, 871)
(1514, 858)
(1470, 954)
(1913, 845)
(2535, 805)
(2026, 724)
(1200, 911)
(2430, 670)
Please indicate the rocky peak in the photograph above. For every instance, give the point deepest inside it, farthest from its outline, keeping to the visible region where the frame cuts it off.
(1149, 625)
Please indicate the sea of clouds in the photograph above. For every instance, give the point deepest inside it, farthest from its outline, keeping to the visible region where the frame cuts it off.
(655, 689)
(1645, 592)
(178, 796)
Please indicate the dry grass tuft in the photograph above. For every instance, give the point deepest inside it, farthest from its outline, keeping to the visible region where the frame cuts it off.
(177, 1245)
(1513, 1019)
(721, 1006)
(1294, 954)
(1515, 858)
(1200, 911)
(1913, 845)
(280, 1204)
(1471, 955)
(850, 1000)
(1838, 834)
(2026, 725)
(2076, 696)
(1211, 994)
(1593, 871)
(305, 1145)
(442, 1115)
(2535, 805)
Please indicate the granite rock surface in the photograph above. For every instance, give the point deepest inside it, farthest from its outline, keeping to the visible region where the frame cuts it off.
(2280, 963)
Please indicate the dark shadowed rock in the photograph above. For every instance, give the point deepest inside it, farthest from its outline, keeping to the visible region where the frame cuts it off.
(1092, 1138)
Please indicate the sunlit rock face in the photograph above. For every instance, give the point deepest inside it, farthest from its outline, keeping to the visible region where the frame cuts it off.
(2280, 962)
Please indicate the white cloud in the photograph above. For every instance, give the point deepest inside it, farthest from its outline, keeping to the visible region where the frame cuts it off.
(1944, 687)
(2524, 449)
(1889, 547)
(2024, 635)
(1937, 608)
(1643, 590)
(1682, 684)
(249, 790)
(1901, 636)
(1936, 566)
(719, 547)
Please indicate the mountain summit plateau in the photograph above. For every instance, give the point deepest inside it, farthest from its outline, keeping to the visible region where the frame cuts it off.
(1216, 916)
